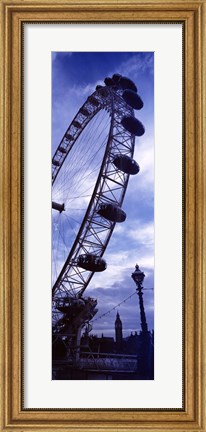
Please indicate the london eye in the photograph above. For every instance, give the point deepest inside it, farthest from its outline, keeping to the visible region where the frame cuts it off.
(90, 173)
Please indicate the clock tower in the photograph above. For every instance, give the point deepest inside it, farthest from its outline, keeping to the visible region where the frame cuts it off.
(118, 332)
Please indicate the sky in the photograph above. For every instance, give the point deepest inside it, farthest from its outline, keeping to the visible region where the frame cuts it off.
(74, 77)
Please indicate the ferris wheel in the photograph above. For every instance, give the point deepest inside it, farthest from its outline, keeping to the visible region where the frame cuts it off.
(90, 172)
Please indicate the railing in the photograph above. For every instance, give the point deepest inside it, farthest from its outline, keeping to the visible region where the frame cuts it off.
(98, 361)
(107, 361)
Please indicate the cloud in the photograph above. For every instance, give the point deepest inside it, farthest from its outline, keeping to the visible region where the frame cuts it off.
(138, 63)
(121, 263)
(132, 241)
(141, 233)
(116, 296)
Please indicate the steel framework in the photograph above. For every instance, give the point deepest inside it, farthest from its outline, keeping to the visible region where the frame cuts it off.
(110, 187)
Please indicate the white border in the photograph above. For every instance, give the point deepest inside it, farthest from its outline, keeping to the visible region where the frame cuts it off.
(166, 390)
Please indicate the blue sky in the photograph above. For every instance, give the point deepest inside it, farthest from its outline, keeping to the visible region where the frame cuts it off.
(74, 78)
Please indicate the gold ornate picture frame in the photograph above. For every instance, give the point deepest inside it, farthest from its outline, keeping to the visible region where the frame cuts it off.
(13, 15)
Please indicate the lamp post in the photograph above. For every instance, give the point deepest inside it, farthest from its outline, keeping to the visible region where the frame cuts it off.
(138, 277)
(144, 358)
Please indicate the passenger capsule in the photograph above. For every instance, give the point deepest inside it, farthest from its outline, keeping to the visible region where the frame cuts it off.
(62, 150)
(112, 212)
(91, 262)
(126, 164)
(109, 82)
(126, 83)
(77, 124)
(132, 125)
(102, 90)
(84, 112)
(69, 137)
(56, 163)
(116, 78)
(132, 99)
(93, 101)
(69, 305)
(99, 87)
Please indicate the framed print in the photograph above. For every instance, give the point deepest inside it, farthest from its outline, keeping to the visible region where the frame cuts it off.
(103, 201)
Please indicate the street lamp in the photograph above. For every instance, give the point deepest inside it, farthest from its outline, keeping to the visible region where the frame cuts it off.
(146, 359)
(138, 277)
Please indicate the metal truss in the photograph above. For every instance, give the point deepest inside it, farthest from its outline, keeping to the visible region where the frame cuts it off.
(111, 184)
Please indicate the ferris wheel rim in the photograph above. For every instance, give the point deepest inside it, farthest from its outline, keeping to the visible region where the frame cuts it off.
(60, 158)
(103, 104)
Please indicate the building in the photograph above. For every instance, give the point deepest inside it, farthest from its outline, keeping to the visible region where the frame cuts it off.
(106, 358)
(128, 345)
